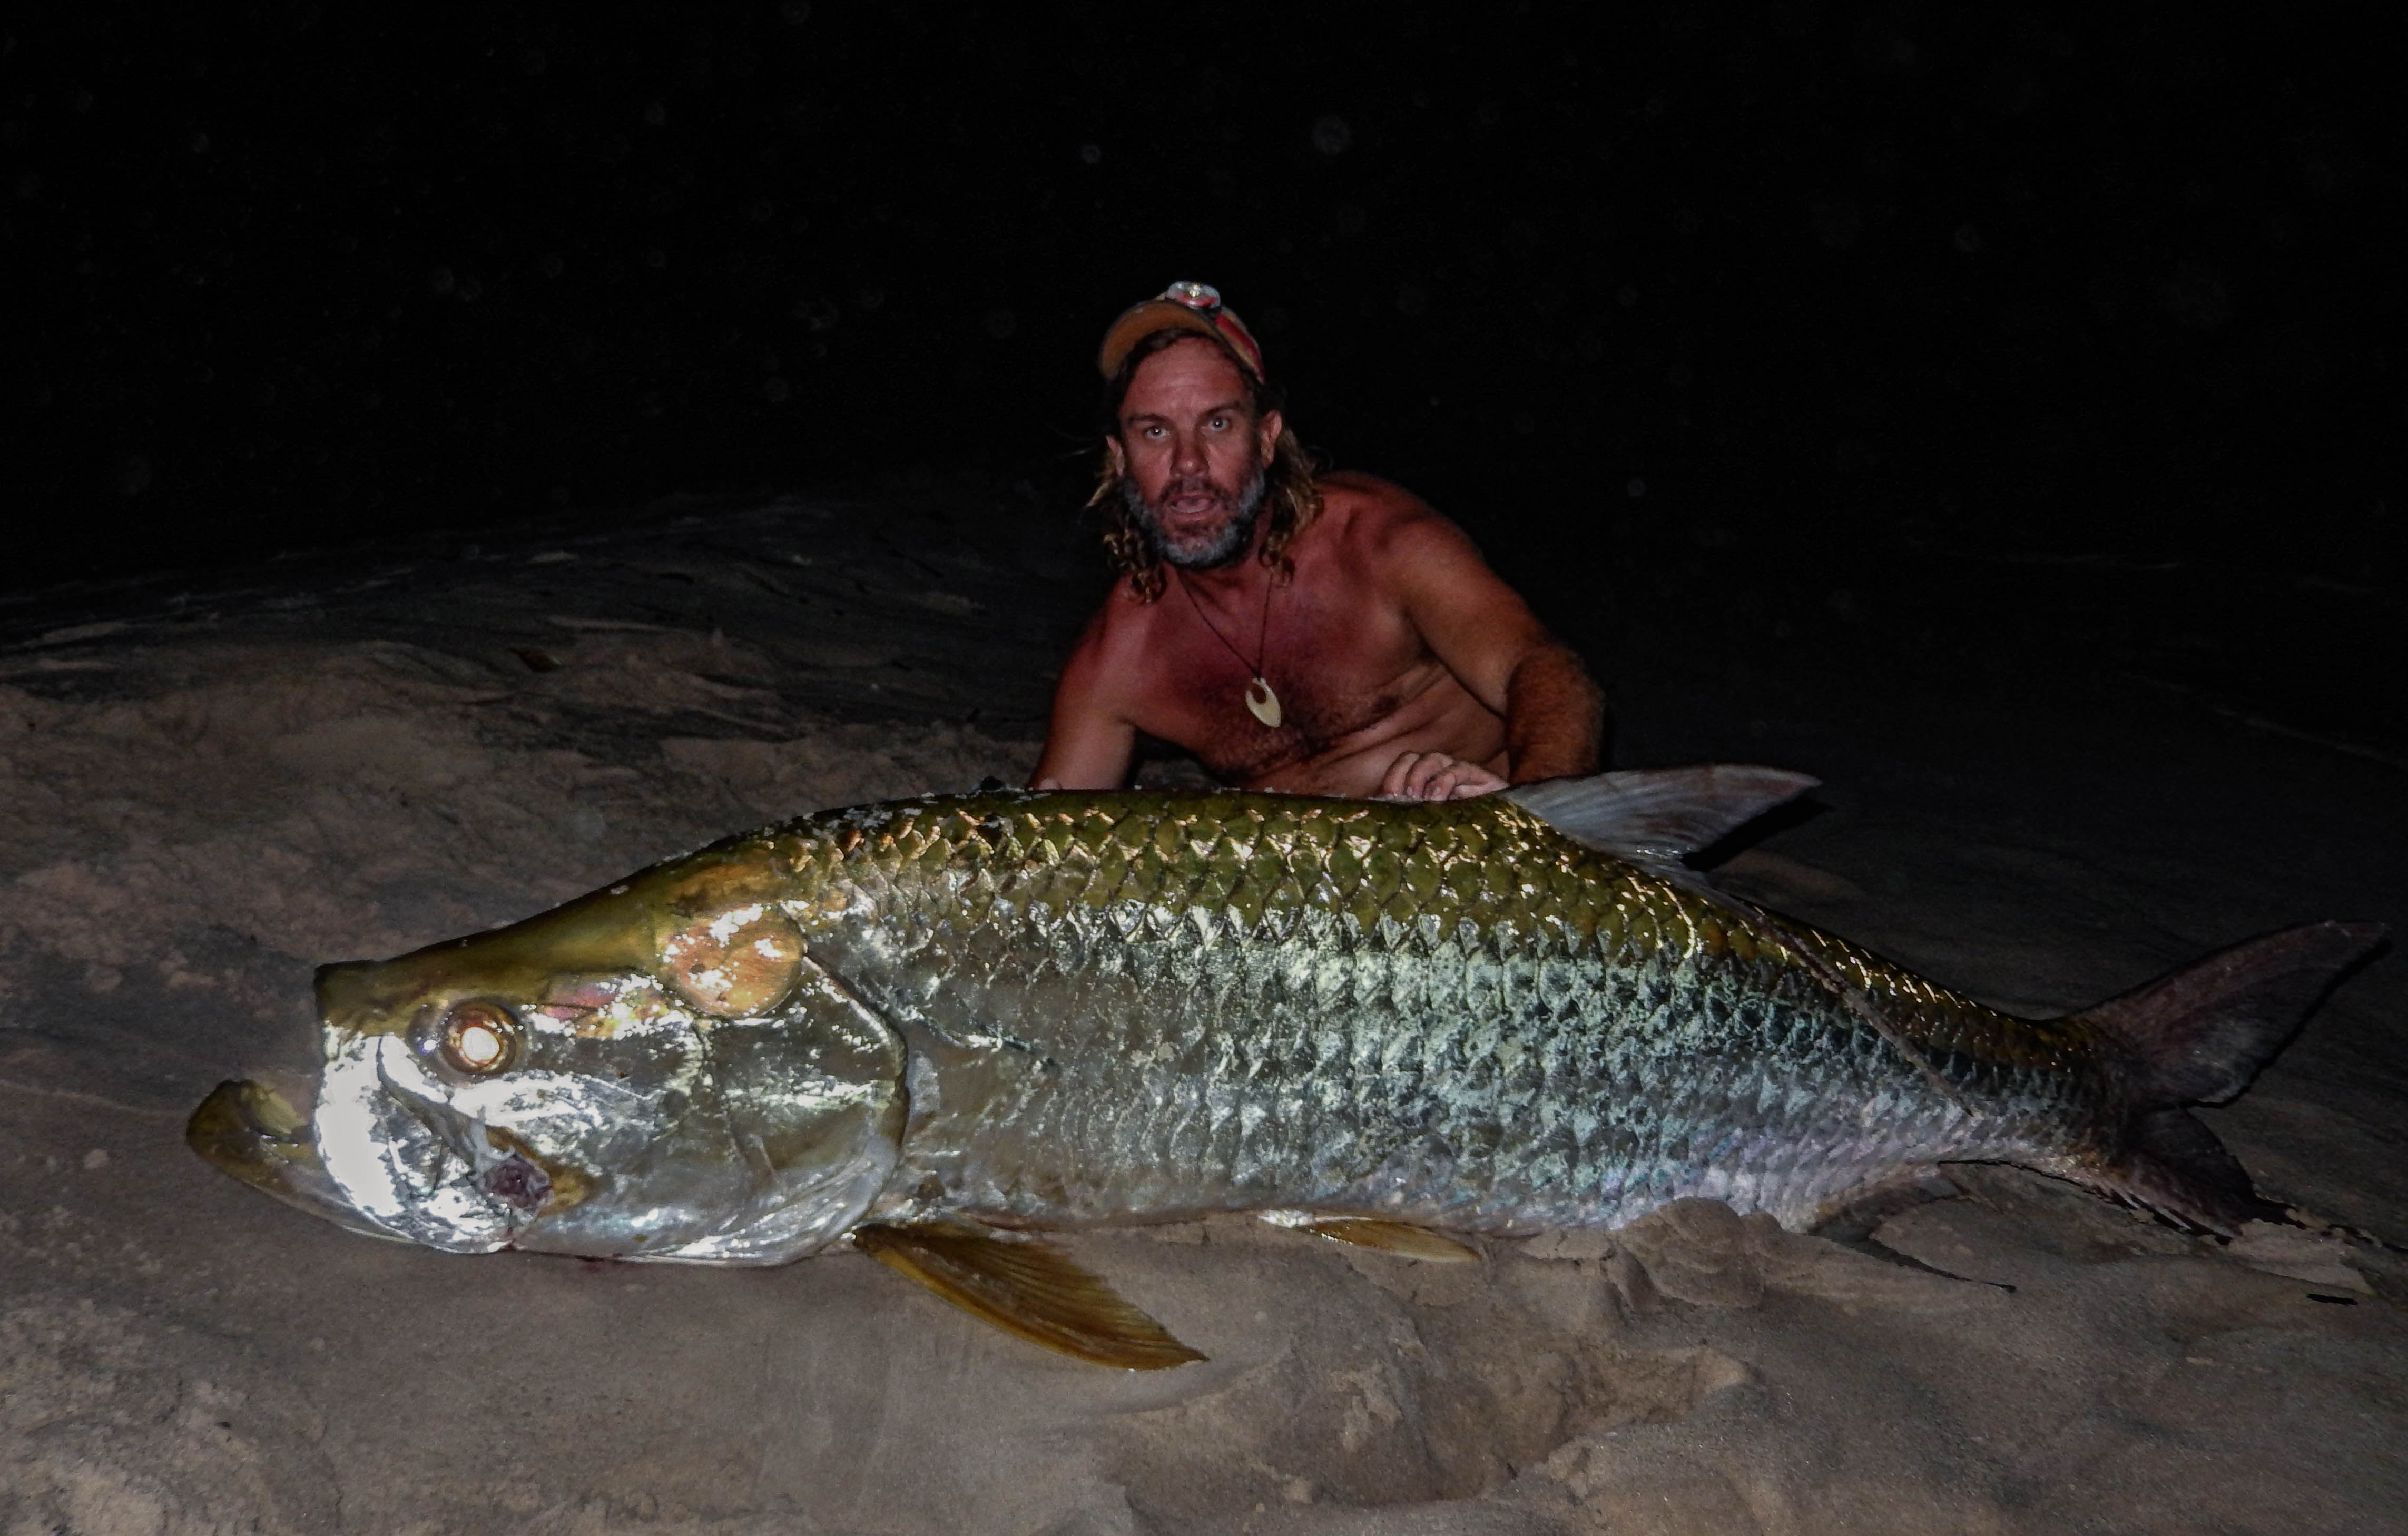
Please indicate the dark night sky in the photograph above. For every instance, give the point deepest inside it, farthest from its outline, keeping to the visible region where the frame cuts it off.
(1808, 279)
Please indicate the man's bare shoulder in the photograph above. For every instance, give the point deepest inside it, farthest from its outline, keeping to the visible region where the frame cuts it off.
(1352, 494)
(1118, 635)
(1375, 518)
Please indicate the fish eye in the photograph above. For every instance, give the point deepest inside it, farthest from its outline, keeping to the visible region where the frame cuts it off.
(479, 1039)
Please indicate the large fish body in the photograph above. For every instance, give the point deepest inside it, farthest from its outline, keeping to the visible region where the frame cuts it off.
(934, 1024)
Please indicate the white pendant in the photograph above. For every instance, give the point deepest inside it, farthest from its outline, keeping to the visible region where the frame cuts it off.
(1261, 703)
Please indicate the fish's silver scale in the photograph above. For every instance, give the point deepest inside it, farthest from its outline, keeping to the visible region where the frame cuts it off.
(1176, 1060)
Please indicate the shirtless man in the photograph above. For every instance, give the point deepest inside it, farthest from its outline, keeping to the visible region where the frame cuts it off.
(1330, 636)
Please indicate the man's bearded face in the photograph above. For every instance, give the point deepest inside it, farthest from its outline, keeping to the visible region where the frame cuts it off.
(1212, 544)
(1192, 452)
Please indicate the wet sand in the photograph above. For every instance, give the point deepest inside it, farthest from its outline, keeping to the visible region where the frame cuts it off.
(212, 786)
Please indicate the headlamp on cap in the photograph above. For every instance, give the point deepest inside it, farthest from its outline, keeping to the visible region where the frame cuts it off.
(1202, 297)
(1181, 307)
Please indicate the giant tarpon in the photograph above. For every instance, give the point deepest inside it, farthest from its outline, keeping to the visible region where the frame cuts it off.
(934, 1028)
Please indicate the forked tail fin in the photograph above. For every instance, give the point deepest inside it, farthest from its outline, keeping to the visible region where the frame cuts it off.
(2199, 1037)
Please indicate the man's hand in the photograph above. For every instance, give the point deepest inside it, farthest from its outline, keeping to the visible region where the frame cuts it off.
(1435, 776)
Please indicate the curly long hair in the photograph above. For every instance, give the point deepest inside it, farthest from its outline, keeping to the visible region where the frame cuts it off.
(1290, 498)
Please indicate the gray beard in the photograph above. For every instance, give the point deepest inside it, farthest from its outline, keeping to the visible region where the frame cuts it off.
(1222, 549)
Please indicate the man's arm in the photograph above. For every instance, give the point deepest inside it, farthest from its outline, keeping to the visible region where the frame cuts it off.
(1489, 637)
(1090, 741)
(1554, 715)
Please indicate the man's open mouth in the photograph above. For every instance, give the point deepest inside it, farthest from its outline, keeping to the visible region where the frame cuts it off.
(1192, 504)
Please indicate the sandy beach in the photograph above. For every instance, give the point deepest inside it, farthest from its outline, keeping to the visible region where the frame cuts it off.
(211, 785)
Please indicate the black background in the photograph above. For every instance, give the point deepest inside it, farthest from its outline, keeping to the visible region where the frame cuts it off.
(1790, 306)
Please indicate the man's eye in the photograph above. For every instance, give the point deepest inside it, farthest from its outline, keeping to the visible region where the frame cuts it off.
(1219, 424)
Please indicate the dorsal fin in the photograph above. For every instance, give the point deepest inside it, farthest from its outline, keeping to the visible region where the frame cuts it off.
(1656, 815)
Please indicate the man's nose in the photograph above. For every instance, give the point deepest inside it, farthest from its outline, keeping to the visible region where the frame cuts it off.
(1187, 453)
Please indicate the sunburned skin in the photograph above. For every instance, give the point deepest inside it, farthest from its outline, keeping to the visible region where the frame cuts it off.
(1357, 683)
(1402, 665)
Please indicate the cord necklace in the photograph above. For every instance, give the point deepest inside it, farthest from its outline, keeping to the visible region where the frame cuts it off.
(1261, 703)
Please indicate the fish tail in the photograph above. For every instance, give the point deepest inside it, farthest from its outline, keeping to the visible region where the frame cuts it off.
(2198, 1037)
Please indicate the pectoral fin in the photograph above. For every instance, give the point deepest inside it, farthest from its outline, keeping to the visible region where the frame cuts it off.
(1389, 1236)
(1029, 1288)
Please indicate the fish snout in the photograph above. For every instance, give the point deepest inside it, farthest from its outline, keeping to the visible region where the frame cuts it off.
(260, 1133)
(348, 993)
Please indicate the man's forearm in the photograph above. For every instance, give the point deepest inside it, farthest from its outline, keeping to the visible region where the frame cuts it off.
(1554, 717)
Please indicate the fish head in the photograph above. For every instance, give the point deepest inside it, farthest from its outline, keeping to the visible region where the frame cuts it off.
(657, 1070)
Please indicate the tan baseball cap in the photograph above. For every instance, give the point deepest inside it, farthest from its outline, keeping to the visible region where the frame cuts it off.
(1182, 306)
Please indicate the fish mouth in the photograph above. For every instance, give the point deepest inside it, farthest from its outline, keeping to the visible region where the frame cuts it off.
(260, 1133)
